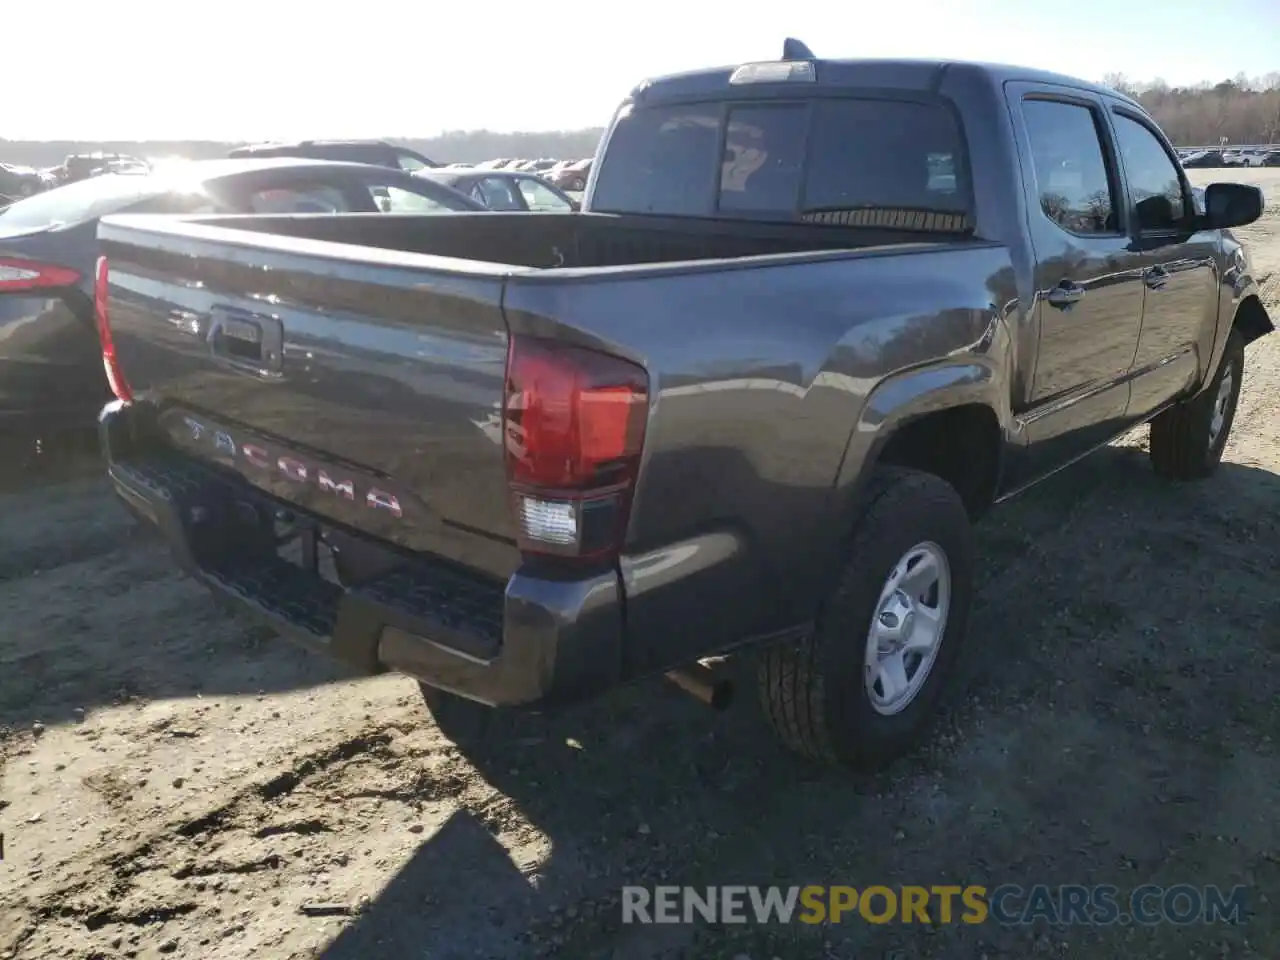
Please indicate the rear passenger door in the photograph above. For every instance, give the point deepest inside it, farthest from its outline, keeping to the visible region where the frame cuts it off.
(1088, 279)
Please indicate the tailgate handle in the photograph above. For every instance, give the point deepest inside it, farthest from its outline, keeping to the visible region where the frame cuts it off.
(248, 342)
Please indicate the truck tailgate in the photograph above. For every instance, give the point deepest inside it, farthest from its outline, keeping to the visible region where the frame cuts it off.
(363, 385)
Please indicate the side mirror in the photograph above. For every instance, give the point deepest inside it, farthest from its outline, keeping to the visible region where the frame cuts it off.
(1231, 205)
(575, 206)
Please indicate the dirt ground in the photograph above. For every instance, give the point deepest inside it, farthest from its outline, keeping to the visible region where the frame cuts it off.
(178, 784)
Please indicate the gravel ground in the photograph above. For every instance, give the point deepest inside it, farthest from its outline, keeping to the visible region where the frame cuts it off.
(178, 784)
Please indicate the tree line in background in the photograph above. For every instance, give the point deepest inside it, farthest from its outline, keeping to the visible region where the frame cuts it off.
(1244, 110)
(467, 146)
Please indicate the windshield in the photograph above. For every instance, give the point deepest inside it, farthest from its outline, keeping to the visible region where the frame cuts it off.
(77, 202)
(789, 161)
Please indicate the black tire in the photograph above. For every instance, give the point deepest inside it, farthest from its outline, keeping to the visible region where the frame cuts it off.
(813, 692)
(578, 185)
(1183, 444)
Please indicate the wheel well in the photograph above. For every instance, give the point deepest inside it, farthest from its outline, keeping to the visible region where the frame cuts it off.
(961, 445)
(1252, 320)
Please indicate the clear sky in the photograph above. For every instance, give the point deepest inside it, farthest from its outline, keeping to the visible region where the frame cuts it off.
(250, 69)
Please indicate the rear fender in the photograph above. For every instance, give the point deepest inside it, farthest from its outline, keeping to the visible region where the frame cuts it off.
(905, 397)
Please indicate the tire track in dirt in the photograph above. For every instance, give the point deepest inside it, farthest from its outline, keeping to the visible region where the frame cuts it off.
(112, 875)
(266, 834)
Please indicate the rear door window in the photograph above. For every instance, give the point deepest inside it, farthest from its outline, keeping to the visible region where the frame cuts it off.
(498, 193)
(1075, 189)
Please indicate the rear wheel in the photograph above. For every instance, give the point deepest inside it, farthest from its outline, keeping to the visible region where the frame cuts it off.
(861, 689)
(578, 185)
(1187, 440)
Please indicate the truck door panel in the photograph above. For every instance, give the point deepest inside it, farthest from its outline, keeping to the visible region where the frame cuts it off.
(1179, 313)
(1088, 278)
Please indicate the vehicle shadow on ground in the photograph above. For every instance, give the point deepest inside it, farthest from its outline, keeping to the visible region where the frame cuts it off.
(646, 786)
(28, 460)
(95, 610)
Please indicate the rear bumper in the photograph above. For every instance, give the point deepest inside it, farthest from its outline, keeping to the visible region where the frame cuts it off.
(531, 641)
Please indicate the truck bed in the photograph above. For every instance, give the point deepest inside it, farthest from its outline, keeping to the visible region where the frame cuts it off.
(569, 240)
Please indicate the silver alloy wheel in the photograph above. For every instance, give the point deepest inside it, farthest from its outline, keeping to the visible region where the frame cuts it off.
(907, 628)
(1220, 404)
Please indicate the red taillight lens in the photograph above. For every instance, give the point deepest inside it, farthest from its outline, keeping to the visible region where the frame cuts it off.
(573, 427)
(115, 376)
(18, 275)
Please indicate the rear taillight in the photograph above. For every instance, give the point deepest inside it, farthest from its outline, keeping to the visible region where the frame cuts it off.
(573, 428)
(18, 275)
(115, 376)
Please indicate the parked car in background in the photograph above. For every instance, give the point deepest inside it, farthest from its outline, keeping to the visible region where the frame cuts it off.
(572, 176)
(512, 190)
(376, 152)
(18, 181)
(50, 364)
(1205, 158)
(81, 166)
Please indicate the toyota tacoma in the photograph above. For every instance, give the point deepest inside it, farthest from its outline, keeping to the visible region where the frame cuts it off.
(816, 317)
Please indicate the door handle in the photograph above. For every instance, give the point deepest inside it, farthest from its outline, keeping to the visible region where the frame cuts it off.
(1155, 278)
(1065, 295)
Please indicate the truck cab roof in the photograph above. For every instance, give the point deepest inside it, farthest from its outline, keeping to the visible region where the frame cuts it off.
(908, 75)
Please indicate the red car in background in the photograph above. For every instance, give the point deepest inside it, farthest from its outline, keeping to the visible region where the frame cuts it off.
(570, 176)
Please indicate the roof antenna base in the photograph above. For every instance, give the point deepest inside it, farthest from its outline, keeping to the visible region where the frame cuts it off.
(793, 49)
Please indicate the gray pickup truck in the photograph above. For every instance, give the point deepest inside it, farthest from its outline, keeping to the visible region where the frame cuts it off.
(816, 317)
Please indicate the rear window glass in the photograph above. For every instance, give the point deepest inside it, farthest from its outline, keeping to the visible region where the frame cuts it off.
(782, 161)
(869, 153)
(78, 202)
(660, 161)
(763, 159)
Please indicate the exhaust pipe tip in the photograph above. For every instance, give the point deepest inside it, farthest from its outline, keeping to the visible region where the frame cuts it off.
(704, 685)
